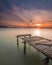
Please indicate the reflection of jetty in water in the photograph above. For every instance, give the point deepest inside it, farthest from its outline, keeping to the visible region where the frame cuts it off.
(41, 44)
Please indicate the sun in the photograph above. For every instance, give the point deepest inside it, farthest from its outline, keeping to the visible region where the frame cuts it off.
(37, 24)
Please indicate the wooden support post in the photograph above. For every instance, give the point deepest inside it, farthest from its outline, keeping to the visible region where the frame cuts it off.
(24, 47)
(17, 40)
(46, 61)
(30, 35)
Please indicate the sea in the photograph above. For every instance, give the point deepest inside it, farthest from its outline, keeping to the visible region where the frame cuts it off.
(11, 54)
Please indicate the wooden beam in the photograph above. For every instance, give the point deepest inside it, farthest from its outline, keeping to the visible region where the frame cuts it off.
(19, 36)
(24, 35)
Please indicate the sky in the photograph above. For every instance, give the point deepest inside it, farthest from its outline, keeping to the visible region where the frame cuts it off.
(25, 13)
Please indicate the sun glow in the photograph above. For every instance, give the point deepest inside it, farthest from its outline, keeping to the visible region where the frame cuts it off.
(37, 32)
(37, 24)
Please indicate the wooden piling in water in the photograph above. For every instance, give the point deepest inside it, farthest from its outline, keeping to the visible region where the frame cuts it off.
(24, 47)
(46, 61)
(17, 40)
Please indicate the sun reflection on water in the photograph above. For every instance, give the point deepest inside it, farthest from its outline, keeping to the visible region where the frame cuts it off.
(37, 32)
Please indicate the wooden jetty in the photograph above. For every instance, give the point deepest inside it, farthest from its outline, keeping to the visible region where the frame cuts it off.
(41, 44)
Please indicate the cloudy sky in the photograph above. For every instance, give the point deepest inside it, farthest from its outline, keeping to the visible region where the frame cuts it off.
(25, 12)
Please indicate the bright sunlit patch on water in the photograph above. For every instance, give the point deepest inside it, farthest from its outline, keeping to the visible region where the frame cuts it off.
(37, 32)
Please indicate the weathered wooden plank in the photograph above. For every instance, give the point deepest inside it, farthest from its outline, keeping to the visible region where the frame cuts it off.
(46, 53)
(42, 42)
(42, 47)
(35, 38)
(44, 50)
(47, 43)
(39, 41)
(23, 35)
(30, 39)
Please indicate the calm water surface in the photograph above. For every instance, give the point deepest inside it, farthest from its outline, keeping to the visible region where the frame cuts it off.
(10, 54)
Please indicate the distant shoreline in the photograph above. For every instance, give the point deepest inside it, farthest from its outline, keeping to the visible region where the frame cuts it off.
(23, 27)
(30, 27)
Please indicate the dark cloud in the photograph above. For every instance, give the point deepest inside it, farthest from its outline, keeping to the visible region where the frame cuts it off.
(26, 4)
(31, 4)
(5, 5)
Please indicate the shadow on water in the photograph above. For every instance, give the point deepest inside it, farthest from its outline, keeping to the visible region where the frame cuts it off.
(30, 57)
(31, 60)
(35, 60)
(45, 63)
